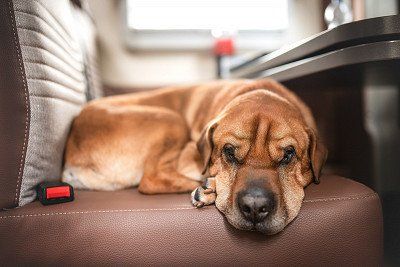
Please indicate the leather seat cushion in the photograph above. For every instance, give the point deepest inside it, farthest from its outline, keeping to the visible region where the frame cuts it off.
(340, 223)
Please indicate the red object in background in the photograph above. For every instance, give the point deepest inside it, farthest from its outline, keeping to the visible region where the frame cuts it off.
(224, 47)
(57, 192)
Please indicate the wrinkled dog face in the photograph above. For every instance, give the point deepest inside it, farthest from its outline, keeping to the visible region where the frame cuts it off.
(262, 155)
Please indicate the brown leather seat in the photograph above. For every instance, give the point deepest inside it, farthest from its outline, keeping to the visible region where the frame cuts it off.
(340, 224)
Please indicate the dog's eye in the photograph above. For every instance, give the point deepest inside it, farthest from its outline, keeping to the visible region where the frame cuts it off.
(290, 152)
(229, 152)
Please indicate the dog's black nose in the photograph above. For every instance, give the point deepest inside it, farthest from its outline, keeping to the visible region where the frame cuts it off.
(255, 203)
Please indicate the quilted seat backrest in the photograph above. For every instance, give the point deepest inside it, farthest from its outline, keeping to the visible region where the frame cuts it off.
(49, 70)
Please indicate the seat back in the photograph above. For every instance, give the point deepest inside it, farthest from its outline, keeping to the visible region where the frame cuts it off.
(47, 72)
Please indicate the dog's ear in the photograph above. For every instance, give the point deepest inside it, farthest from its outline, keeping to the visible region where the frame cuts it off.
(318, 155)
(205, 145)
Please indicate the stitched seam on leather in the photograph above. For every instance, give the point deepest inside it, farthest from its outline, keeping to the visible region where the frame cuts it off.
(167, 209)
(339, 198)
(13, 22)
(94, 212)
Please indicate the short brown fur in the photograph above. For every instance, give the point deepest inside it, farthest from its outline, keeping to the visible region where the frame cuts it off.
(169, 140)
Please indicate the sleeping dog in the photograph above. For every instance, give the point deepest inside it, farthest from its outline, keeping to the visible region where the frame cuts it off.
(254, 144)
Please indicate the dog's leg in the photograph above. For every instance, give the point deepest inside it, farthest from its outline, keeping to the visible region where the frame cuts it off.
(190, 163)
(164, 178)
(204, 195)
(166, 182)
(161, 173)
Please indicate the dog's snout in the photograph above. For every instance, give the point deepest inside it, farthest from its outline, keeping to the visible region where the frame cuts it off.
(255, 203)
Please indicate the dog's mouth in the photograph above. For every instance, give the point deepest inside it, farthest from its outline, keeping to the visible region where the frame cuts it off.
(268, 230)
(269, 223)
(272, 225)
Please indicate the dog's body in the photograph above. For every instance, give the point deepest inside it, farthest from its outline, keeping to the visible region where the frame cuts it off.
(169, 140)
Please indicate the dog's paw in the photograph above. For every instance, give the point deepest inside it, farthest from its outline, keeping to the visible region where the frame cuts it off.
(204, 195)
(201, 198)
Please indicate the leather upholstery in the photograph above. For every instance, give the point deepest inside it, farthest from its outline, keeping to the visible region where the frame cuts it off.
(340, 224)
(47, 72)
(14, 109)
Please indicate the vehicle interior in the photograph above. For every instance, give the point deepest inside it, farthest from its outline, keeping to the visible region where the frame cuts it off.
(341, 57)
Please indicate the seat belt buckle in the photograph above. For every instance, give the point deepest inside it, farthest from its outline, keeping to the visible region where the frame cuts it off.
(50, 193)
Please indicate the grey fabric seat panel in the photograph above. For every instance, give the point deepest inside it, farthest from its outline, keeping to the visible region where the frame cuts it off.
(50, 37)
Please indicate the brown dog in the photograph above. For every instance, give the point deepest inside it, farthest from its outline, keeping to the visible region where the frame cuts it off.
(254, 142)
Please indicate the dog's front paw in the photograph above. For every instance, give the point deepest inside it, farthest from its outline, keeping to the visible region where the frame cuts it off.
(204, 195)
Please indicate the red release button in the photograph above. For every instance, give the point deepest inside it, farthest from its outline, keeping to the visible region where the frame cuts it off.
(58, 192)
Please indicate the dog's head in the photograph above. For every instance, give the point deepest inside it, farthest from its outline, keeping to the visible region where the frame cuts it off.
(262, 153)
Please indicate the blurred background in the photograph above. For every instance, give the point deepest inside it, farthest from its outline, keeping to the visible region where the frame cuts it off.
(147, 44)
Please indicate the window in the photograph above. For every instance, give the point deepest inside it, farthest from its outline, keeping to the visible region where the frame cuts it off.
(192, 24)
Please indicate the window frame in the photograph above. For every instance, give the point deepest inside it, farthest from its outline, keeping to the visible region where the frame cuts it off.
(197, 40)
